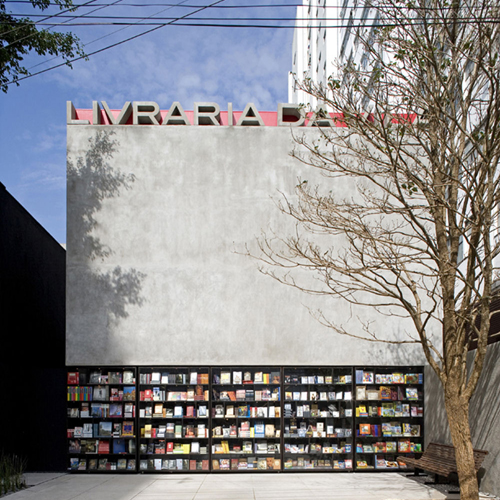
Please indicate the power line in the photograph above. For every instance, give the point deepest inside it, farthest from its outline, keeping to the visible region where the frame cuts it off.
(110, 34)
(56, 57)
(269, 26)
(251, 6)
(117, 43)
(85, 16)
(46, 19)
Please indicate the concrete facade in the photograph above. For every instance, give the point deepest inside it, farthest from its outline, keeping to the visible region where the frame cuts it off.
(484, 417)
(158, 221)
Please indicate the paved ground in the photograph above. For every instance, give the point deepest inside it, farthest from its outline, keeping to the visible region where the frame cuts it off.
(289, 486)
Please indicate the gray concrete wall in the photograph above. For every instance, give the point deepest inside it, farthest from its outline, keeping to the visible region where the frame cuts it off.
(156, 222)
(484, 417)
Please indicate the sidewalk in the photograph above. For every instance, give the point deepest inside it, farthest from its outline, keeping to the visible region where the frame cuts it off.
(245, 486)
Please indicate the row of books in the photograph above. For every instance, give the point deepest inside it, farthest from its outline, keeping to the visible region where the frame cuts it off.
(163, 447)
(383, 463)
(389, 429)
(380, 463)
(272, 394)
(226, 377)
(318, 379)
(246, 430)
(247, 463)
(396, 409)
(83, 464)
(250, 447)
(315, 411)
(177, 411)
(82, 393)
(103, 410)
(191, 394)
(401, 446)
(318, 396)
(369, 377)
(236, 377)
(127, 393)
(314, 463)
(100, 377)
(100, 393)
(101, 446)
(315, 429)
(166, 378)
(315, 448)
(386, 393)
(172, 430)
(103, 429)
(246, 411)
(173, 464)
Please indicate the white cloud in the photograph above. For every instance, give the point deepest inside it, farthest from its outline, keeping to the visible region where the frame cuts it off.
(187, 64)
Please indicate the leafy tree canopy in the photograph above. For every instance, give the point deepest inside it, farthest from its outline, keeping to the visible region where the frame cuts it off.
(19, 36)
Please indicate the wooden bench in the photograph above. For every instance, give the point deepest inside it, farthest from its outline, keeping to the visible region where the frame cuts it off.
(439, 459)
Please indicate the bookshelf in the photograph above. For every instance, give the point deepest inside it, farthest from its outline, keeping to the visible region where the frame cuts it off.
(174, 419)
(246, 419)
(161, 419)
(318, 416)
(101, 419)
(389, 416)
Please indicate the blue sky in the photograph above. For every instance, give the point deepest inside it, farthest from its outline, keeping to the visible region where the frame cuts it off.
(185, 64)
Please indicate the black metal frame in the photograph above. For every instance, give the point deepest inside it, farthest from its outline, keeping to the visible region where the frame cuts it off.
(210, 408)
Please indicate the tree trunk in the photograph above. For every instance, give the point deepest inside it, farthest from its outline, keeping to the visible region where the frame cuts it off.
(458, 419)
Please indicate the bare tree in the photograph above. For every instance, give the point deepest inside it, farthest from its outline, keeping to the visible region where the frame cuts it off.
(421, 141)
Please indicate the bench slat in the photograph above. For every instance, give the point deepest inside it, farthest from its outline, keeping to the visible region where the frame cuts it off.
(440, 459)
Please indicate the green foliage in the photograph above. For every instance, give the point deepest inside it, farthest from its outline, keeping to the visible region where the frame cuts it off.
(12, 469)
(19, 36)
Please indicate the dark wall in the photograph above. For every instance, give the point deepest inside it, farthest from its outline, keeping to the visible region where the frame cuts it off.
(32, 352)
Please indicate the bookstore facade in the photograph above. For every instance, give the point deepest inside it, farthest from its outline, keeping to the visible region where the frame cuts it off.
(181, 355)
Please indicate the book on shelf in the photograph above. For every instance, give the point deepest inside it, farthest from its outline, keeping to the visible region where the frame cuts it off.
(114, 377)
(385, 393)
(129, 393)
(128, 428)
(105, 429)
(119, 446)
(95, 377)
(73, 378)
(100, 393)
(412, 393)
(129, 410)
(361, 392)
(115, 410)
(103, 446)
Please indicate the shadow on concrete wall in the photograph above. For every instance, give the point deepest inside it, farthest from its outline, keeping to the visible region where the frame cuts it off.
(436, 420)
(393, 354)
(484, 416)
(108, 290)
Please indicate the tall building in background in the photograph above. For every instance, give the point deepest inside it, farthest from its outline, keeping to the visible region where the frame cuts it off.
(326, 37)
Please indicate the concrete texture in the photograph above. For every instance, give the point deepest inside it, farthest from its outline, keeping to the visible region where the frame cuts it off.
(484, 416)
(158, 220)
(355, 486)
